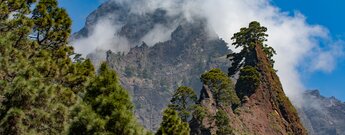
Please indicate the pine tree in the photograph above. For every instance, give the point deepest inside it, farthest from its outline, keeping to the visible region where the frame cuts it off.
(221, 87)
(246, 61)
(248, 39)
(182, 101)
(52, 24)
(223, 123)
(108, 108)
(38, 86)
(248, 81)
(172, 124)
(13, 15)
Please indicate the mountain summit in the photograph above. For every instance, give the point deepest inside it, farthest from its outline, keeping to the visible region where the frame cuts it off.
(264, 108)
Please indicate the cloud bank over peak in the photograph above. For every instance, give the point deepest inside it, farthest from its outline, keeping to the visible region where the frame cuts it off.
(298, 43)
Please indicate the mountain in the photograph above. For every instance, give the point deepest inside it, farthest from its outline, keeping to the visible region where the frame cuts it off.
(152, 71)
(151, 74)
(321, 115)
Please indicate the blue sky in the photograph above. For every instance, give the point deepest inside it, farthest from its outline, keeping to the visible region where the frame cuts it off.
(79, 10)
(329, 14)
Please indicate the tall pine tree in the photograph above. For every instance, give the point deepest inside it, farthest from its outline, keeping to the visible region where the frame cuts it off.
(108, 108)
(172, 124)
(183, 102)
(38, 85)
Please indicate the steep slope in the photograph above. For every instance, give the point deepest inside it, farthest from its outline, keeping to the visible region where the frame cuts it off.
(268, 109)
(323, 116)
(265, 111)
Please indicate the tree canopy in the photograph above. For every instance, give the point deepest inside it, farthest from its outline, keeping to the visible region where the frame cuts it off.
(248, 39)
(108, 108)
(182, 101)
(40, 84)
(172, 124)
(221, 87)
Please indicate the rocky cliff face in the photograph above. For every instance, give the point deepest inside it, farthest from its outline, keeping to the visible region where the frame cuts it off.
(321, 115)
(153, 73)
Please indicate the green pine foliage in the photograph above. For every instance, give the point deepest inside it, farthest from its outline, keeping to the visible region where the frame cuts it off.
(245, 62)
(52, 24)
(172, 124)
(221, 87)
(248, 81)
(38, 86)
(223, 123)
(108, 108)
(42, 91)
(199, 113)
(248, 39)
(182, 101)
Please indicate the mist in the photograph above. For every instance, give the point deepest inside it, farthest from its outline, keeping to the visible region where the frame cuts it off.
(103, 37)
(301, 47)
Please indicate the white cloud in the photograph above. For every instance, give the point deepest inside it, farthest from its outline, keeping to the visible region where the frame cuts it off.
(159, 33)
(326, 59)
(103, 37)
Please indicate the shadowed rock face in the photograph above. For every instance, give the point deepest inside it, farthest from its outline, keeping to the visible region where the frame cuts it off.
(321, 115)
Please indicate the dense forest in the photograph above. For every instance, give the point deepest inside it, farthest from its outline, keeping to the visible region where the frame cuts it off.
(46, 88)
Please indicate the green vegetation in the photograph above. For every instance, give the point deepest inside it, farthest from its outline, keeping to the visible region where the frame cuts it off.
(221, 87)
(40, 84)
(248, 39)
(182, 101)
(172, 124)
(246, 61)
(51, 24)
(248, 81)
(110, 108)
(223, 124)
(199, 112)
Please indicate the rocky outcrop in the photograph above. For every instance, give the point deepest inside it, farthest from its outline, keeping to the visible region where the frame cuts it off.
(266, 111)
